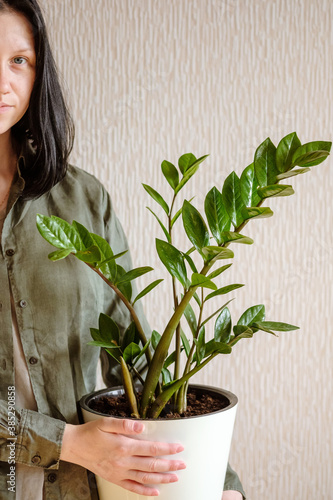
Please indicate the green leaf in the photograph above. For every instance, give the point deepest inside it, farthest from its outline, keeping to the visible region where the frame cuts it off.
(59, 254)
(212, 347)
(147, 290)
(155, 338)
(251, 315)
(218, 271)
(142, 352)
(232, 199)
(241, 332)
(176, 217)
(130, 335)
(110, 268)
(191, 319)
(108, 329)
(276, 190)
(223, 290)
(216, 312)
(285, 150)
(257, 213)
(217, 253)
(131, 351)
(200, 346)
(274, 325)
(217, 217)
(173, 260)
(195, 226)
(133, 274)
(186, 161)
(125, 287)
(229, 236)
(114, 257)
(157, 197)
(311, 153)
(83, 233)
(170, 173)
(189, 173)
(292, 173)
(102, 344)
(222, 329)
(198, 279)
(166, 376)
(91, 255)
(249, 186)
(59, 233)
(164, 229)
(185, 343)
(265, 163)
(170, 359)
(190, 262)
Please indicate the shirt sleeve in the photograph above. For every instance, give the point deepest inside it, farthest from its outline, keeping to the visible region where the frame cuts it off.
(36, 440)
(232, 482)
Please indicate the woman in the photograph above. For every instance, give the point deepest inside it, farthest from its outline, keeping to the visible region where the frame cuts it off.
(45, 312)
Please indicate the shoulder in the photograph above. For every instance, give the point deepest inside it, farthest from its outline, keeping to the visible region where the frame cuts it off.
(79, 180)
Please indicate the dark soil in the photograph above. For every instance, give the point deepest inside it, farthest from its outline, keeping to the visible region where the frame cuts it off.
(197, 404)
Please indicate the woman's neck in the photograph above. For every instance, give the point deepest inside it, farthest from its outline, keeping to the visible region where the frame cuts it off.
(8, 158)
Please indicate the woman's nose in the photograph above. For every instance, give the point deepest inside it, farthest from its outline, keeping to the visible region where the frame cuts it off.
(4, 80)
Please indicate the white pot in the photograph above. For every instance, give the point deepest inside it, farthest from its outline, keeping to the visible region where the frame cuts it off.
(206, 440)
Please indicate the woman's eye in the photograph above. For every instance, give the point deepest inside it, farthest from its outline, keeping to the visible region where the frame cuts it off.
(19, 60)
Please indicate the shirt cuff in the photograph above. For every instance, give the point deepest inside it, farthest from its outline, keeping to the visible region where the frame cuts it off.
(232, 482)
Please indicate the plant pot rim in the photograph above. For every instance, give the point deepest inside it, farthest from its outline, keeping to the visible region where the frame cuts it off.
(118, 390)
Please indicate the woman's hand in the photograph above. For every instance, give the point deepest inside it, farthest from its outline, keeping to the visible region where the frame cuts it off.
(232, 495)
(106, 447)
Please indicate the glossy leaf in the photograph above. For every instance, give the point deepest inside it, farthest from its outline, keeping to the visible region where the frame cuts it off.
(186, 161)
(170, 360)
(249, 186)
(142, 352)
(311, 153)
(114, 257)
(110, 268)
(217, 253)
(251, 315)
(191, 319)
(275, 325)
(166, 376)
(133, 274)
(216, 347)
(195, 226)
(83, 233)
(199, 280)
(257, 213)
(90, 255)
(185, 343)
(147, 290)
(229, 236)
(157, 197)
(265, 163)
(232, 199)
(59, 233)
(222, 329)
(292, 173)
(59, 254)
(216, 312)
(219, 271)
(155, 338)
(200, 345)
(176, 217)
(217, 217)
(164, 229)
(170, 173)
(130, 352)
(241, 332)
(276, 190)
(223, 290)
(130, 335)
(189, 173)
(173, 260)
(285, 151)
(190, 262)
(125, 287)
(108, 329)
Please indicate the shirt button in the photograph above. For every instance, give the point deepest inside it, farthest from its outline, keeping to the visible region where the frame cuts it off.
(10, 252)
(36, 459)
(52, 478)
(33, 361)
(23, 304)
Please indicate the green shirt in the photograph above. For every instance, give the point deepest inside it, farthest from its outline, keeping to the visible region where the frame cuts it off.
(56, 304)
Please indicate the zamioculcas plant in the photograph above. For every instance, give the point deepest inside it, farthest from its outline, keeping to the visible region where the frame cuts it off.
(227, 213)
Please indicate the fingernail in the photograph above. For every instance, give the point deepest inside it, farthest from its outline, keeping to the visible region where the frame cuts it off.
(138, 427)
(173, 479)
(181, 465)
(180, 448)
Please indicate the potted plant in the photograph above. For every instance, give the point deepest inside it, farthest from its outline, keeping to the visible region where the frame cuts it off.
(194, 273)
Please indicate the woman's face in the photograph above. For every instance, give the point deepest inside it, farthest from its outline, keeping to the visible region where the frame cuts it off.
(17, 68)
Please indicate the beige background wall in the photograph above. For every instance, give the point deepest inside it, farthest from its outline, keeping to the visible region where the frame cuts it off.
(150, 80)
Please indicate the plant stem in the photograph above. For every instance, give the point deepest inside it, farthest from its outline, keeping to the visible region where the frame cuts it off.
(131, 309)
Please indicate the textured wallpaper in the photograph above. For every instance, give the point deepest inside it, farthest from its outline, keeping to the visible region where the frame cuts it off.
(149, 80)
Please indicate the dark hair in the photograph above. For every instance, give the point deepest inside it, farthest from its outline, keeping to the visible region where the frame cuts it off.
(47, 121)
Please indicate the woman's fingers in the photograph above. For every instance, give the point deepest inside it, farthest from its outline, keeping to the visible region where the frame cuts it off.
(154, 448)
(120, 425)
(138, 488)
(151, 477)
(145, 464)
